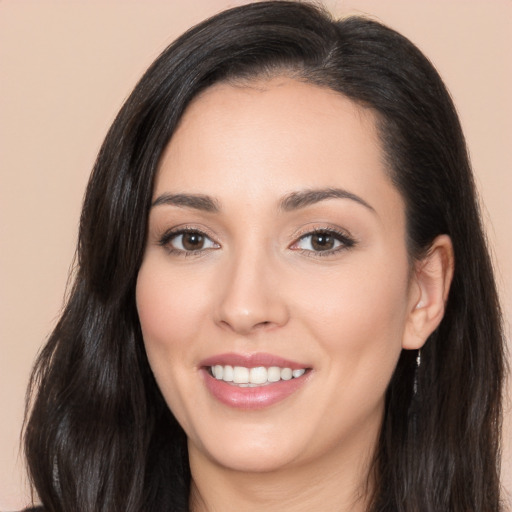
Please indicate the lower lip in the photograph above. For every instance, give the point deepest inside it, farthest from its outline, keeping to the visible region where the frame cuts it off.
(252, 398)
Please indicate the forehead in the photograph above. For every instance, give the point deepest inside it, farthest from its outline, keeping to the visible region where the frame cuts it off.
(271, 138)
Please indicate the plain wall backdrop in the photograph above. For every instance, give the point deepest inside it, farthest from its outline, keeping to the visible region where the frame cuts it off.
(65, 69)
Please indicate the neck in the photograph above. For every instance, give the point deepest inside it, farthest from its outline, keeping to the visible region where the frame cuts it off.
(339, 481)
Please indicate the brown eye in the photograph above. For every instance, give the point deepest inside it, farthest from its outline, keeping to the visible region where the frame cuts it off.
(322, 241)
(188, 241)
(326, 241)
(192, 241)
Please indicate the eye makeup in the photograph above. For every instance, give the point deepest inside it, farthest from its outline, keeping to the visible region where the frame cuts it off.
(320, 241)
(323, 242)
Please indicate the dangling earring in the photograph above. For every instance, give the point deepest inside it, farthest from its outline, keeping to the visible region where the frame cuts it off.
(418, 364)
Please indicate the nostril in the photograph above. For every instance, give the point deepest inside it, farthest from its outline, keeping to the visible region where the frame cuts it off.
(250, 312)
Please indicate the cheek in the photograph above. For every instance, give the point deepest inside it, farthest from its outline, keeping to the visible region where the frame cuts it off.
(170, 306)
(358, 314)
(171, 316)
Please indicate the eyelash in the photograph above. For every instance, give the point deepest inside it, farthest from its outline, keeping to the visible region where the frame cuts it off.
(345, 241)
(170, 235)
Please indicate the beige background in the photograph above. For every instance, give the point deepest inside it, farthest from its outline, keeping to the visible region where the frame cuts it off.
(65, 68)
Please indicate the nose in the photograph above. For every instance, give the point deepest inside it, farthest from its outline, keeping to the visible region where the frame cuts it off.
(251, 296)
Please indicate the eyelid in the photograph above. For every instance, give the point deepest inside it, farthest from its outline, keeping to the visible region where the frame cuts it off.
(169, 234)
(346, 240)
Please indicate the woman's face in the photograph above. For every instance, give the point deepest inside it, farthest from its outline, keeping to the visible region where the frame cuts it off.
(275, 287)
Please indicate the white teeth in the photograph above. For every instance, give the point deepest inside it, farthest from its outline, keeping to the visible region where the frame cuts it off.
(251, 377)
(227, 375)
(286, 373)
(240, 375)
(258, 375)
(217, 371)
(274, 374)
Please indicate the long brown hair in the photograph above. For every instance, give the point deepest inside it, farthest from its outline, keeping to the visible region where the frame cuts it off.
(100, 437)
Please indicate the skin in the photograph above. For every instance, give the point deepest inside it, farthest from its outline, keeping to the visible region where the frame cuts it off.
(258, 285)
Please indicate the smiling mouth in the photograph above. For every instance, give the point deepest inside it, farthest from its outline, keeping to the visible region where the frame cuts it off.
(242, 376)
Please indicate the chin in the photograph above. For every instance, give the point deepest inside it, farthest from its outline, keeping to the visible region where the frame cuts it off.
(247, 451)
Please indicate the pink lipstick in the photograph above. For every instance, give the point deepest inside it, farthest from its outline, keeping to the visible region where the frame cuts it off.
(252, 381)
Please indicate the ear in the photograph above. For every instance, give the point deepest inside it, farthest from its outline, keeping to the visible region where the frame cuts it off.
(430, 285)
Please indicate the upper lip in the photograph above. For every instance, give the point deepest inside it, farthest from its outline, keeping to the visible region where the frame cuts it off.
(251, 361)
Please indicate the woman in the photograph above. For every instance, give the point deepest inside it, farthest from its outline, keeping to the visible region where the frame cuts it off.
(284, 297)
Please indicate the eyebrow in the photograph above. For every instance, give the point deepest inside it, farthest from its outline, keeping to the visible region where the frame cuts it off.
(301, 199)
(195, 201)
(291, 202)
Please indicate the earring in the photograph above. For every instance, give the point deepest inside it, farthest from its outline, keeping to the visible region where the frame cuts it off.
(418, 364)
